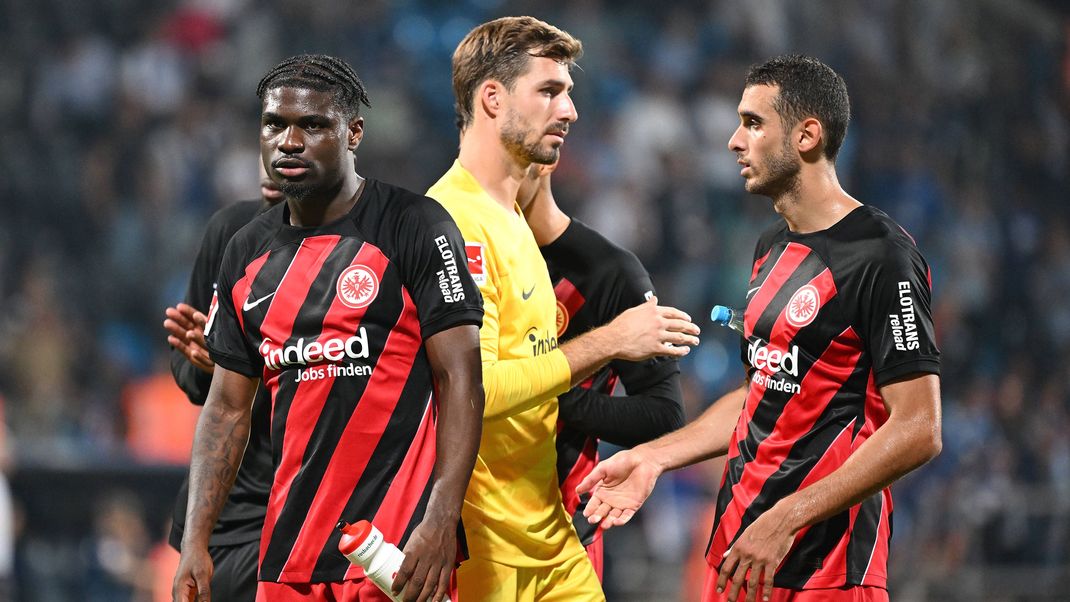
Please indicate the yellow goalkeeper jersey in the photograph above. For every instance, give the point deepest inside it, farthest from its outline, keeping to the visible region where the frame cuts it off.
(512, 512)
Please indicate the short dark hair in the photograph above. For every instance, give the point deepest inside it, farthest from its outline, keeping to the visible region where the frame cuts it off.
(808, 88)
(500, 50)
(319, 72)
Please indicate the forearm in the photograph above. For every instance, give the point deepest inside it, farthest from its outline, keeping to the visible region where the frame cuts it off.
(627, 420)
(460, 424)
(706, 437)
(587, 353)
(516, 385)
(896, 448)
(218, 446)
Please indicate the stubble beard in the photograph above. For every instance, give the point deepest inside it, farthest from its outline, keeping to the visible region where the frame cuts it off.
(297, 191)
(514, 138)
(782, 177)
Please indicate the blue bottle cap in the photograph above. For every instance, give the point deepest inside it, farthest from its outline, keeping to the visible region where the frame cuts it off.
(721, 314)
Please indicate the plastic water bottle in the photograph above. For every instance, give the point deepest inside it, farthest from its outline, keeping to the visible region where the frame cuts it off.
(365, 547)
(728, 317)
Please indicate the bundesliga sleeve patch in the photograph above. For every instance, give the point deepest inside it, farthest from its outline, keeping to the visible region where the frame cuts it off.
(474, 250)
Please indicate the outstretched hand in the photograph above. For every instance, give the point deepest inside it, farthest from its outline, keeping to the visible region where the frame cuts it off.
(185, 328)
(618, 487)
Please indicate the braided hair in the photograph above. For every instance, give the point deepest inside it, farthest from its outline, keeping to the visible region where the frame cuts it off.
(322, 73)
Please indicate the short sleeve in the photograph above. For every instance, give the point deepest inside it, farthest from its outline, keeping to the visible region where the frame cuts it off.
(895, 314)
(434, 267)
(224, 335)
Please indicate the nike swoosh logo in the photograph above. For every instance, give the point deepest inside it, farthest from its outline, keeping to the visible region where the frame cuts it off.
(752, 291)
(527, 294)
(247, 306)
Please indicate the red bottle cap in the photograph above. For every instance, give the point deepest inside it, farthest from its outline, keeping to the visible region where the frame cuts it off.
(353, 536)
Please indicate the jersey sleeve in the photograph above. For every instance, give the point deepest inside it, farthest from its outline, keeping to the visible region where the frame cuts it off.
(510, 386)
(193, 381)
(224, 335)
(895, 316)
(644, 414)
(433, 266)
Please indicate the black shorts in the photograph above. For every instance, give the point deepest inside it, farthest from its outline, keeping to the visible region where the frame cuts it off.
(234, 578)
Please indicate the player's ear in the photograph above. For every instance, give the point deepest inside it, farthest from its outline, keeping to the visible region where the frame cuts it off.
(809, 135)
(490, 96)
(355, 132)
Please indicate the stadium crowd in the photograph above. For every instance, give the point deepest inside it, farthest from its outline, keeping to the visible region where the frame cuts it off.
(127, 124)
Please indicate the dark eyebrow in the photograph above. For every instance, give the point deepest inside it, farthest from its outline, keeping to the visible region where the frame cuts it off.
(560, 83)
(750, 114)
(271, 115)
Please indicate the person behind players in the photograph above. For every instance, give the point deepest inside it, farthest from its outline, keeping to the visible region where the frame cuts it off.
(235, 540)
(511, 84)
(843, 395)
(334, 298)
(594, 281)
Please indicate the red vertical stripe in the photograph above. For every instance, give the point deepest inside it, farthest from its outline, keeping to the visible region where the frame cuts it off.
(304, 412)
(876, 415)
(293, 288)
(310, 395)
(758, 265)
(243, 287)
(794, 254)
(833, 458)
(407, 487)
(879, 558)
(361, 436)
(585, 463)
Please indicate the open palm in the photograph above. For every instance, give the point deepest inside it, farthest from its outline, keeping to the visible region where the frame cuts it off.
(618, 488)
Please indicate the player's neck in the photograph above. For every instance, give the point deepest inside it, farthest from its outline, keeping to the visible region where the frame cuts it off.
(316, 210)
(497, 172)
(816, 203)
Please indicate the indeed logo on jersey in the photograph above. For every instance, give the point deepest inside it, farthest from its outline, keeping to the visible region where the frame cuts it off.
(302, 353)
(775, 360)
(545, 343)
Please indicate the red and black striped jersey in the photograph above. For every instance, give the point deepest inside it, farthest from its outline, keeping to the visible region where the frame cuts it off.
(594, 281)
(334, 318)
(831, 316)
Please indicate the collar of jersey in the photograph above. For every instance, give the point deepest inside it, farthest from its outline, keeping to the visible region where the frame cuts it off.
(463, 180)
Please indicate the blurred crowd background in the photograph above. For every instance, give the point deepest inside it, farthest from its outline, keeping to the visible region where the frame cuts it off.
(126, 124)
